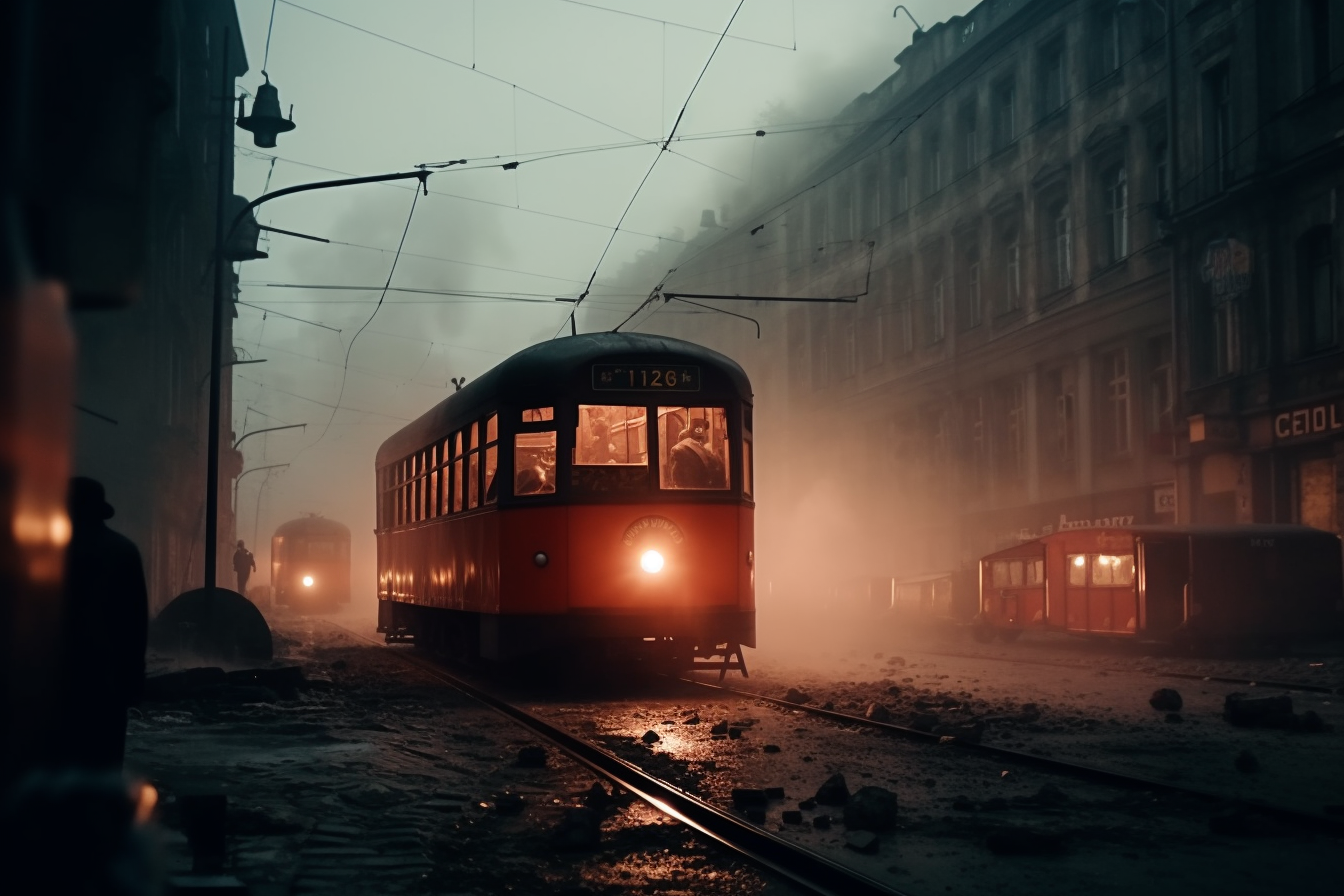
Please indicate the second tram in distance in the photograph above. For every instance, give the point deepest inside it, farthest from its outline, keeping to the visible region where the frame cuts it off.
(310, 565)
(590, 491)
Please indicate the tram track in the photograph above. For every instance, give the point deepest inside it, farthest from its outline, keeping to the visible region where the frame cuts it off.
(1310, 820)
(1185, 676)
(801, 867)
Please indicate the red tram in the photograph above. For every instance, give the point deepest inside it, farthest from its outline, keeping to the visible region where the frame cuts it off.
(1269, 583)
(310, 564)
(594, 490)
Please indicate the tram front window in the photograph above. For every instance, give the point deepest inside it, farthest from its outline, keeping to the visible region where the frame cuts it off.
(694, 448)
(611, 434)
(534, 463)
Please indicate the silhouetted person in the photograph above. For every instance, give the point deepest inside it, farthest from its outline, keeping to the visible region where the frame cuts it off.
(243, 564)
(106, 621)
(694, 465)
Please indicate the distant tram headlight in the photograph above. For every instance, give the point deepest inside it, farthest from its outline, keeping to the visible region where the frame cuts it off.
(651, 561)
(307, 581)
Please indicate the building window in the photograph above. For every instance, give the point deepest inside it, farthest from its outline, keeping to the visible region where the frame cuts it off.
(970, 144)
(844, 212)
(1057, 247)
(1011, 448)
(905, 321)
(1052, 78)
(1115, 417)
(1010, 256)
(1162, 391)
(933, 163)
(1227, 337)
(937, 299)
(1316, 41)
(1115, 229)
(1218, 125)
(1106, 28)
(1316, 288)
(1060, 384)
(899, 184)
(1004, 129)
(971, 310)
(1162, 178)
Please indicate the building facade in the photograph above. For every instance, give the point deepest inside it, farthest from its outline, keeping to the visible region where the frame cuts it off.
(144, 370)
(1000, 207)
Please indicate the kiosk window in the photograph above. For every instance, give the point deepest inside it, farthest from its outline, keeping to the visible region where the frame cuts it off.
(1112, 569)
(534, 463)
(1077, 570)
(693, 448)
(611, 434)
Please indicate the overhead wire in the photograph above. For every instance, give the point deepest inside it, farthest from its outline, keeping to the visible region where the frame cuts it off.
(573, 311)
(666, 22)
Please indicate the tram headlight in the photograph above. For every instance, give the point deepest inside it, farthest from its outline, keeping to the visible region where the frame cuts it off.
(307, 581)
(651, 561)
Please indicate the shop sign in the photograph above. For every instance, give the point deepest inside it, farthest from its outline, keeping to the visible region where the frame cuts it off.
(1227, 269)
(1315, 420)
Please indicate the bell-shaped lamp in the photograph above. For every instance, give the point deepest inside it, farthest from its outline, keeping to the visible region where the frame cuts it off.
(265, 121)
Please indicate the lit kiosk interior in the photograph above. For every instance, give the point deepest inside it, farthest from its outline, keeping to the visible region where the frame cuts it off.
(1226, 584)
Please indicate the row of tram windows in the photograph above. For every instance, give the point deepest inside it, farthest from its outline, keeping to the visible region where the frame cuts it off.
(692, 445)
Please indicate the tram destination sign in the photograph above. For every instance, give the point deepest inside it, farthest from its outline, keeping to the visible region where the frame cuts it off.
(646, 378)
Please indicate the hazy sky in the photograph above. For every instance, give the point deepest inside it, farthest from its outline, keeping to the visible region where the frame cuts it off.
(493, 81)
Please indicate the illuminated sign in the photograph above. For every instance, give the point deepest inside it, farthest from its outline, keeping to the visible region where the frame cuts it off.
(652, 525)
(1309, 421)
(646, 377)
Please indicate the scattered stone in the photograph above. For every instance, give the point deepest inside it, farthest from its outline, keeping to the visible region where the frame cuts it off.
(871, 809)
(372, 795)
(894, 690)
(650, 737)
(508, 803)
(597, 796)
(734, 732)
(896, 661)
(579, 828)
(754, 814)
(796, 696)
(861, 841)
(532, 756)
(745, 797)
(771, 748)
(971, 733)
(829, 706)
(1030, 713)
(1011, 841)
(1246, 763)
(807, 804)
(1174, 718)
(822, 822)
(834, 792)
(1312, 723)
(719, 728)
(924, 721)
(876, 712)
(340, 665)
(792, 816)
(1166, 700)
(692, 719)
(1246, 711)
(774, 793)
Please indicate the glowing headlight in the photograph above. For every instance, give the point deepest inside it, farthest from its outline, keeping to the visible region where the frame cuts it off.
(651, 561)
(307, 581)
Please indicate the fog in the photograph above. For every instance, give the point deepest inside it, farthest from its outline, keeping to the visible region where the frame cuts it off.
(516, 240)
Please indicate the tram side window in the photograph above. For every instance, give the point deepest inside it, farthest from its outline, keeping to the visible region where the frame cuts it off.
(1077, 570)
(1035, 572)
(611, 434)
(746, 464)
(446, 463)
(1112, 569)
(693, 448)
(1007, 573)
(457, 472)
(538, 415)
(491, 458)
(534, 463)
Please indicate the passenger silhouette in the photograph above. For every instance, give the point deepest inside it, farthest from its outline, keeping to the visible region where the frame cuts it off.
(694, 465)
(105, 626)
(243, 565)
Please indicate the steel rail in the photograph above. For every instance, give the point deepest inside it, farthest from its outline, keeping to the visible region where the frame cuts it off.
(798, 865)
(1301, 817)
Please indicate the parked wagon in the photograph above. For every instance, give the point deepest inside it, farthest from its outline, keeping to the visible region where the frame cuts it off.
(1267, 583)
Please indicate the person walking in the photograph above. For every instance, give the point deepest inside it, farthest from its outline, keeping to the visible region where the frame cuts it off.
(243, 565)
(105, 629)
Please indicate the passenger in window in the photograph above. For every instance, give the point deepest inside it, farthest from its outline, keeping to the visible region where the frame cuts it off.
(694, 465)
(600, 450)
(532, 477)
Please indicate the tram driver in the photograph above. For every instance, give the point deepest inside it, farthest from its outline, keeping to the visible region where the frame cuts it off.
(693, 464)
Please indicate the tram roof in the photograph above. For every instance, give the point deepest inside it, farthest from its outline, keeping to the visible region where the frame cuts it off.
(1171, 530)
(543, 374)
(312, 525)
